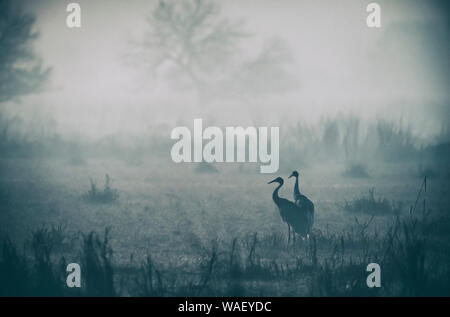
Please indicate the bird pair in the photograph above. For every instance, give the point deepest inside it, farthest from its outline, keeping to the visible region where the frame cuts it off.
(298, 214)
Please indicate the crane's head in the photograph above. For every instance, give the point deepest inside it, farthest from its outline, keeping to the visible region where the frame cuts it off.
(276, 180)
(294, 174)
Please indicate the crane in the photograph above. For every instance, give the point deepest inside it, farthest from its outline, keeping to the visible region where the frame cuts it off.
(290, 213)
(303, 202)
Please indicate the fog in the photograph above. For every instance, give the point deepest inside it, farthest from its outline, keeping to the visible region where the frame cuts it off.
(331, 64)
(101, 164)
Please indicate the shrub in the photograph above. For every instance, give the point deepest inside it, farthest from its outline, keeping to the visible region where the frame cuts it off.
(356, 170)
(370, 205)
(106, 196)
(206, 168)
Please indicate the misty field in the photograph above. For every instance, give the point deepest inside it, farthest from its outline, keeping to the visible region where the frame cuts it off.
(86, 175)
(155, 228)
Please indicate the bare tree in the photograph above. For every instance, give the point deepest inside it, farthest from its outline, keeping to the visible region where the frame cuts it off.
(21, 71)
(192, 38)
(190, 35)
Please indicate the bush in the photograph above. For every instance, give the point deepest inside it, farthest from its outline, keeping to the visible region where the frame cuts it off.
(106, 196)
(356, 170)
(206, 168)
(370, 205)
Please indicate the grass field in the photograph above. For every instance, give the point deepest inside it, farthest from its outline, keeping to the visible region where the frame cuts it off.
(160, 228)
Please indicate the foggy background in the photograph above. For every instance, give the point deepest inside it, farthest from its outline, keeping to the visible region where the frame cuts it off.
(322, 61)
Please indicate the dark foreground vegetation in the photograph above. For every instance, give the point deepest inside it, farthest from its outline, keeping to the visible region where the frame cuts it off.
(412, 253)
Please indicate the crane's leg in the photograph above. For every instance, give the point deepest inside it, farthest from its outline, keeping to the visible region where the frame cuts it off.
(289, 234)
(294, 239)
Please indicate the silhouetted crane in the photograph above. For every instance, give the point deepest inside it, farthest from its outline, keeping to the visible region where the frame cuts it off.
(303, 202)
(290, 212)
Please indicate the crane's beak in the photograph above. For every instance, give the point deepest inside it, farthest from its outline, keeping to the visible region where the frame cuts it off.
(292, 175)
(272, 181)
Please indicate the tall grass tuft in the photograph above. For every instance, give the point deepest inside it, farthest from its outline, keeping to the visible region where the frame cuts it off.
(47, 282)
(106, 196)
(98, 270)
(368, 204)
(149, 282)
(14, 273)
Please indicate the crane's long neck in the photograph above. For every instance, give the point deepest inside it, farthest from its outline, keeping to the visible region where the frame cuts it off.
(296, 189)
(275, 196)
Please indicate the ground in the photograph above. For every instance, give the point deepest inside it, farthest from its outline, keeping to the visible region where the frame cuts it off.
(220, 233)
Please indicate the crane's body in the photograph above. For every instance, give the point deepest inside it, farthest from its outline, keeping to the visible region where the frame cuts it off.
(303, 202)
(290, 212)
